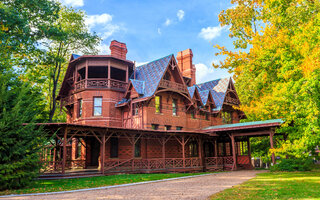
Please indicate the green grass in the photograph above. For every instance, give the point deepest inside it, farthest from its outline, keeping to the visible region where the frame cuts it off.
(276, 185)
(39, 186)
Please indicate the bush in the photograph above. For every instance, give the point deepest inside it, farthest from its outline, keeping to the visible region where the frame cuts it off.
(293, 165)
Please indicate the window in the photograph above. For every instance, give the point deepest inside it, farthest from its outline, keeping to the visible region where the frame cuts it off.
(114, 147)
(135, 109)
(174, 107)
(97, 106)
(79, 107)
(178, 128)
(193, 148)
(137, 148)
(193, 114)
(155, 126)
(226, 117)
(167, 127)
(158, 104)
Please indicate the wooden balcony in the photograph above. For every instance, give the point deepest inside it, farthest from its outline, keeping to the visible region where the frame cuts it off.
(173, 86)
(233, 101)
(69, 100)
(100, 83)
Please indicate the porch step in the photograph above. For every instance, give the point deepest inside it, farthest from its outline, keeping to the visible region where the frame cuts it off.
(82, 174)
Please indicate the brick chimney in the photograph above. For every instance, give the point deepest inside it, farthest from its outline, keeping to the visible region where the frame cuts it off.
(186, 66)
(118, 49)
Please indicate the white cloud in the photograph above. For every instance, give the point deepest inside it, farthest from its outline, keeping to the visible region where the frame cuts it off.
(180, 15)
(104, 49)
(210, 33)
(104, 23)
(93, 20)
(204, 73)
(159, 31)
(168, 22)
(73, 3)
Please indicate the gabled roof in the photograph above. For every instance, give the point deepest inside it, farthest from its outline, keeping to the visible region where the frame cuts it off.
(204, 95)
(138, 86)
(218, 89)
(146, 78)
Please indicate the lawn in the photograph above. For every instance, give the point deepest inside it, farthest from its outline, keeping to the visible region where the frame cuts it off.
(39, 186)
(276, 185)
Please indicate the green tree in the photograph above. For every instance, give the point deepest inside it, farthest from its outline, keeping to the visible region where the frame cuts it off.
(72, 35)
(19, 145)
(22, 24)
(276, 66)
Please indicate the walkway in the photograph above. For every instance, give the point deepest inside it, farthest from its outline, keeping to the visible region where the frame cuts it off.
(189, 188)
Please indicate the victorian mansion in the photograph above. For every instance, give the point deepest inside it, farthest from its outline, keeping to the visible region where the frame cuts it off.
(148, 118)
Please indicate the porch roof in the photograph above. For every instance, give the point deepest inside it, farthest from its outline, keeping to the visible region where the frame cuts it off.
(117, 129)
(245, 125)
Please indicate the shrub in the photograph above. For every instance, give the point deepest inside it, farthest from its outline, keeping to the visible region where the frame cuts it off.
(296, 164)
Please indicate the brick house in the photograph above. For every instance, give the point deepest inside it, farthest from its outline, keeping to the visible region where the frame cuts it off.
(149, 118)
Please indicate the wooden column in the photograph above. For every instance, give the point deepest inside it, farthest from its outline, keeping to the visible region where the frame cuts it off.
(234, 167)
(86, 74)
(109, 74)
(273, 158)
(64, 157)
(201, 154)
(103, 152)
(183, 152)
(249, 151)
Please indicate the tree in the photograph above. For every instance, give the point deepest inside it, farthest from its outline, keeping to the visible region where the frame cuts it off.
(276, 66)
(22, 24)
(72, 35)
(19, 145)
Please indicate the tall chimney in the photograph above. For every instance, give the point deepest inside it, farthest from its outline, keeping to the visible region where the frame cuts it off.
(186, 66)
(118, 49)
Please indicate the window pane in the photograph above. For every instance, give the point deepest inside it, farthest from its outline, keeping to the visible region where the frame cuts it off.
(97, 111)
(158, 104)
(97, 101)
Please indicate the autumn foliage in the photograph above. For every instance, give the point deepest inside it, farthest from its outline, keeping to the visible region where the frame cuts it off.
(275, 64)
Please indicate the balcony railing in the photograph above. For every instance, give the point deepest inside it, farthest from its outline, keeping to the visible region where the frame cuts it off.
(173, 85)
(101, 83)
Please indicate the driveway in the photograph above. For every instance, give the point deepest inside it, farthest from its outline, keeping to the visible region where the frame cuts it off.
(200, 187)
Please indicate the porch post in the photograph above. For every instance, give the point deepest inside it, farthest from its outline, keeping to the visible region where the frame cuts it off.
(64, 157)
(249, 150)
(234, 167)
(271, 145)
(201, 154)
(103, 155)
(183, 152)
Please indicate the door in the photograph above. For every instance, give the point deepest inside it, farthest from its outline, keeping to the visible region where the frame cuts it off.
(95, 152)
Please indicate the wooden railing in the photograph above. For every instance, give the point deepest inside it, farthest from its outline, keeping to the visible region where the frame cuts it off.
(173, 86)
(232, 100)
(101, 83)
(150, 164)
(219, 163)
(56, 166)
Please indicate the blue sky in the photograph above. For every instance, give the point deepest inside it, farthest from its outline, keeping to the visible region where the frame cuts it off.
(155, 28)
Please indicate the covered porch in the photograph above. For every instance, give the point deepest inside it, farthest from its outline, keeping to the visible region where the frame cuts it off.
(76, 149)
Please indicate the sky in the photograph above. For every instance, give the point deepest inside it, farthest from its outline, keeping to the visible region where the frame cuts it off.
(153, 29)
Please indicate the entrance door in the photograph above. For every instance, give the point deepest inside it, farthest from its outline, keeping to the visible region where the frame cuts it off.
(95, 152)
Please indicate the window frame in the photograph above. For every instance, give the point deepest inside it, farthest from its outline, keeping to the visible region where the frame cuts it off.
(94, 106)
(80, 104)
(174, 107)
(158, 108)
(155, 126)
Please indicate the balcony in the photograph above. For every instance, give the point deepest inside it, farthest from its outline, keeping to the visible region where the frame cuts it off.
(100, 83)
(173, 86)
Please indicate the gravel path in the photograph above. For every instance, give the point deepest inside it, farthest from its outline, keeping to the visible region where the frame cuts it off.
(189, 188)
